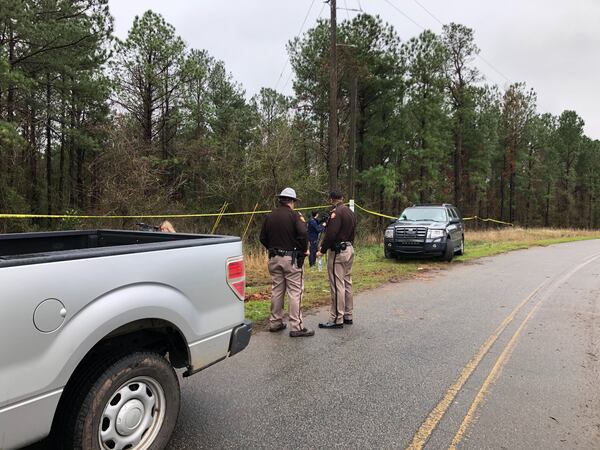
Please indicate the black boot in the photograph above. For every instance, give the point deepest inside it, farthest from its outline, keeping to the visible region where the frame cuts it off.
(305, 332)
(276, 328)
(331, 325)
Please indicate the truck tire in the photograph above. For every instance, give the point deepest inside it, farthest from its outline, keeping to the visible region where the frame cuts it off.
(449, 251)
(132, 402)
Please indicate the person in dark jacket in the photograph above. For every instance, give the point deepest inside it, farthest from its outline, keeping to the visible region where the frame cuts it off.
(314, 230)
(338, 243)
(284, 235)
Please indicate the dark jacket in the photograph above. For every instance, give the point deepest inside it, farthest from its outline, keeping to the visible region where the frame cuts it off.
(284, 229)
(340, 227)
(314, 229)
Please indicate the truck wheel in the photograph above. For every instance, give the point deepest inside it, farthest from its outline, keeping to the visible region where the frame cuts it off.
(387, 253)
(449, 252)
(132, 403)
(461, 249)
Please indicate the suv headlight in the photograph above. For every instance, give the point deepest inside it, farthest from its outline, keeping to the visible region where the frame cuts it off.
(435, 234)
(389, 233)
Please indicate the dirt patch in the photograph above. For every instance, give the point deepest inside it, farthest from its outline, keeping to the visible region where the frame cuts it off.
(258, 296)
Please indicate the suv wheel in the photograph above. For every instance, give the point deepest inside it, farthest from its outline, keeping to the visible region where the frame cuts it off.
(131, 403)
(449, 252)
(461, 249)
(387, 253)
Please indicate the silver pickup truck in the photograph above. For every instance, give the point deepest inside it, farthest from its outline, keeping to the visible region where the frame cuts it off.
(93, 325)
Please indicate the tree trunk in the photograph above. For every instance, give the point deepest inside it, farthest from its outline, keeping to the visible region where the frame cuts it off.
(48, 145)
(80, 183)
(71, 142)
(511, 201)
(502, 187)
(458, 163)
(422, 174)
(61, 178)
(529, 185)
(164, 134)
(566, 194)
(422, 169)
(147, 118)
(332, 154)
(34, 190)
(10, 96)
(352, 146)
(547, 214)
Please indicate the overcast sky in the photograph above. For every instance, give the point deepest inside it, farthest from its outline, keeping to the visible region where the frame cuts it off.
(552, 45)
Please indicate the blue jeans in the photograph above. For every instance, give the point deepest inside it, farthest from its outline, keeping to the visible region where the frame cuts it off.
(312, 256)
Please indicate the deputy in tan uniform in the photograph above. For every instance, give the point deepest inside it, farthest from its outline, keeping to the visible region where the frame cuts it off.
(338, 243)
(284, 234)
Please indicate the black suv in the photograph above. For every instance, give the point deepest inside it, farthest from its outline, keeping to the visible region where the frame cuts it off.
(426, 230)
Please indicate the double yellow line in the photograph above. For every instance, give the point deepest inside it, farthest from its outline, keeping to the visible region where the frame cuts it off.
(435, 416)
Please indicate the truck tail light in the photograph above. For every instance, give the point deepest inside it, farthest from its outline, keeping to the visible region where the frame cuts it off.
(236, 276)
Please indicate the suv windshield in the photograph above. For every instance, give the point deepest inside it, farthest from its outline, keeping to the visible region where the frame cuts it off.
(424, 214)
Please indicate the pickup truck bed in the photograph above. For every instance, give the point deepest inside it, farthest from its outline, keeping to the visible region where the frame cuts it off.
(32, 248)
(82, 309)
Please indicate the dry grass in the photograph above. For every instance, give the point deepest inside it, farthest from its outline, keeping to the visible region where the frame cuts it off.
(517, 234)
(256, 261)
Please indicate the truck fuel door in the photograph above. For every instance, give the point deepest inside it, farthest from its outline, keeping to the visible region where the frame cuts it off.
(49, 315)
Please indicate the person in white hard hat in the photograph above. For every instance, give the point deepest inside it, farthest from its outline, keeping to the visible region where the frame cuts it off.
(284, 235)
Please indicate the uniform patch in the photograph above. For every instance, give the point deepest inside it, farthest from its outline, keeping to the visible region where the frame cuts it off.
(332, 215)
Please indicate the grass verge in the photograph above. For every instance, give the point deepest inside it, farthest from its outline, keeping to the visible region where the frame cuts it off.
(371, 269)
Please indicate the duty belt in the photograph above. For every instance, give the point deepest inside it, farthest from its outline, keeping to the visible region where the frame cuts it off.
(341, 246)
(278, 252)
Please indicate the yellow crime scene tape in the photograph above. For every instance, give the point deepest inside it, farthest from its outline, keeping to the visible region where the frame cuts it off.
(464, 218)
(489, 220)
(374, 213)
(145, 216)
(219, 214)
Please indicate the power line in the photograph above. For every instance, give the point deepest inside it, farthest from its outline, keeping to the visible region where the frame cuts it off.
(306, 18)
(299, 33)
(289, 78)
(494, 68)
(428, 12)
(347, 10)
(404, 14)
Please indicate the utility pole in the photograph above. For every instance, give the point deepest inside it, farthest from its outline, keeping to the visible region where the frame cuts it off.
(352, 147)
(332, 156)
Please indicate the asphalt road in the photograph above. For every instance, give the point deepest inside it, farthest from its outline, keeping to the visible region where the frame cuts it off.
(500, 353)
(374, 384)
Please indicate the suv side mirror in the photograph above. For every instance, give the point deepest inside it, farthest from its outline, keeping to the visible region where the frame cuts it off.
(454, 220)
(393, 221)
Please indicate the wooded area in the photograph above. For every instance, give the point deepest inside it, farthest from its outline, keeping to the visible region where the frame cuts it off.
(96, 125)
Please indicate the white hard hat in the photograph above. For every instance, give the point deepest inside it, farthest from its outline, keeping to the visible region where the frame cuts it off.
(289, 193)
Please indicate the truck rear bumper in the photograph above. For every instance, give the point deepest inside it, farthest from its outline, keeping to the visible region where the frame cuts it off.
(216, 348)
(240, 337)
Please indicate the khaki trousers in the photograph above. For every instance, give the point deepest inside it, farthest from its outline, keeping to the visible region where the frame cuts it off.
(286, 277)
(339, 268)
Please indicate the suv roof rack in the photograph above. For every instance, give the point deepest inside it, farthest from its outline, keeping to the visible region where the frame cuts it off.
(431, 204)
